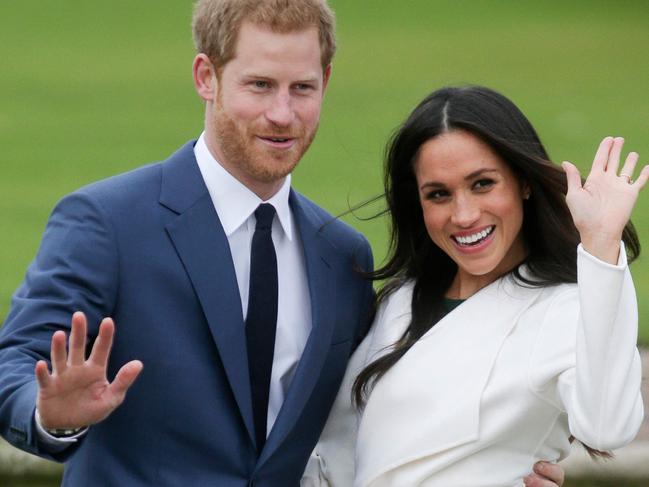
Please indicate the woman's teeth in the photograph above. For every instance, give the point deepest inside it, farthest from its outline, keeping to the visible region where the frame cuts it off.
(475, 238)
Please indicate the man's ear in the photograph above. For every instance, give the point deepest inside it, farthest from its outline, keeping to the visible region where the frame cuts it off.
(325, 77)
(204, 77)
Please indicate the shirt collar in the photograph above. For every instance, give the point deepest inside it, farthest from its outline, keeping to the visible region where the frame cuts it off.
(233, 201)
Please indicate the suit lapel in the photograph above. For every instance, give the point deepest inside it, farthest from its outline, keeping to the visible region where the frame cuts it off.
(203, 248)
(319, 257)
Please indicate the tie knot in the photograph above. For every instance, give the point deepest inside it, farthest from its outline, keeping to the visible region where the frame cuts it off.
(264, 215)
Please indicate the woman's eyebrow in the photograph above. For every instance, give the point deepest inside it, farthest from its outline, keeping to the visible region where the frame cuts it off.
(468, 177)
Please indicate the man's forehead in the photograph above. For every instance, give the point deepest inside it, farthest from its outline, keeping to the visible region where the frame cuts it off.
(260, 48)
(260, 34)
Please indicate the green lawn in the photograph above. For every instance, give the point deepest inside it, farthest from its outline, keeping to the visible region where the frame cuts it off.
(89, 89)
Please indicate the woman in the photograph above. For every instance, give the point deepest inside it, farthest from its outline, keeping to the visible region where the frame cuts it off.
(499, 336)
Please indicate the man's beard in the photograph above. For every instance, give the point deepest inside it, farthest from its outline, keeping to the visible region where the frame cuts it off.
(248, 157)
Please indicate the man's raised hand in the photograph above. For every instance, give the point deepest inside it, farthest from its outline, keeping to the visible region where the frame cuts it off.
(77, 393)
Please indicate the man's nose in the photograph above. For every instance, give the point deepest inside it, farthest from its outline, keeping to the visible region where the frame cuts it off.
(280, 112)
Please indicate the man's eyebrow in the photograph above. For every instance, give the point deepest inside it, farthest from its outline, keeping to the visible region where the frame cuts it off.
(250, 76)
(254, 76)
(468, 177)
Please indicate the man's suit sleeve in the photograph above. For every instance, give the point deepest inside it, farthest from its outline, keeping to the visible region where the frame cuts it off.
(76, 268)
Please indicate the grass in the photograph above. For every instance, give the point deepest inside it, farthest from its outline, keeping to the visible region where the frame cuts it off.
(89, 89)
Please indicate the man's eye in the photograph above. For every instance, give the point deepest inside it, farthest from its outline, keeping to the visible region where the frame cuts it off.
(303, 87)
(260, 84)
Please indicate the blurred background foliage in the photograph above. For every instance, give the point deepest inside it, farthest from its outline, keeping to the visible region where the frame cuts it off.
(89, 89)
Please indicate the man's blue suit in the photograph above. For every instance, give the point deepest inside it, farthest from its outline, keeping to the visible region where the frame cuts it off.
(147, 249)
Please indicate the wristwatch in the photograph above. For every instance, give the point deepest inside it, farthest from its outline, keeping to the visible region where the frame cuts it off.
(58, 432)
(63, 433)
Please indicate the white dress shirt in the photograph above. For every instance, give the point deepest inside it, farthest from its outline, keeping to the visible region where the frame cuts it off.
(235, 205)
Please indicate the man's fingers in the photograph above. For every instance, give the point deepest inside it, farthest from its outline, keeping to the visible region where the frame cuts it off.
(124, 380)
(42, 374)
(545, 475)
(538, 481)
(550, 471)
(58, 353)
(614, 156)
(601, 156)
(103, 343)
(77, 344)
(573, 178)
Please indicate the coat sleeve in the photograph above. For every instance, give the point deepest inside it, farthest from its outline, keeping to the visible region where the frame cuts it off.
(589, 337)
(75, 269)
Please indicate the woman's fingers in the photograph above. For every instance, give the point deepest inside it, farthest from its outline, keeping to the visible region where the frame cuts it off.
(614, 155)
(629, 166)
(602, 154)
(642, 178)
(607, 159)
(573, 178)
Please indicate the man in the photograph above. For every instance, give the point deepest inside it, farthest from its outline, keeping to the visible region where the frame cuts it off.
(236, 301)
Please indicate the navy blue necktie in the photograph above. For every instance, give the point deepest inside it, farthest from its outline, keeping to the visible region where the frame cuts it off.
(261, 320)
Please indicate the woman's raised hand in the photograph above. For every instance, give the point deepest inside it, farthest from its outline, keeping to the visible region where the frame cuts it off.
(602, 206)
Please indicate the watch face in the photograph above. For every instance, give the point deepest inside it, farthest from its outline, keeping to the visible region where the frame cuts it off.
(64, 432)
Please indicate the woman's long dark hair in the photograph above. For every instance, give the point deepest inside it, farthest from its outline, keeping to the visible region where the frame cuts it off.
(548, 228)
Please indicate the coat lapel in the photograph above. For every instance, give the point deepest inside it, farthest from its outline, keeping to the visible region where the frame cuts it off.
(203, 248)
(319, 257)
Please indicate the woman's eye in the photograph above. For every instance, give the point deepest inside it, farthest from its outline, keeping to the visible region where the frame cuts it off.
(437, 195)
(483, 183)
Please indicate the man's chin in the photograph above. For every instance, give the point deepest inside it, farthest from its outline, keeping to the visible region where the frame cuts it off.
(275, 175)
(279, 164)
(268, 168)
